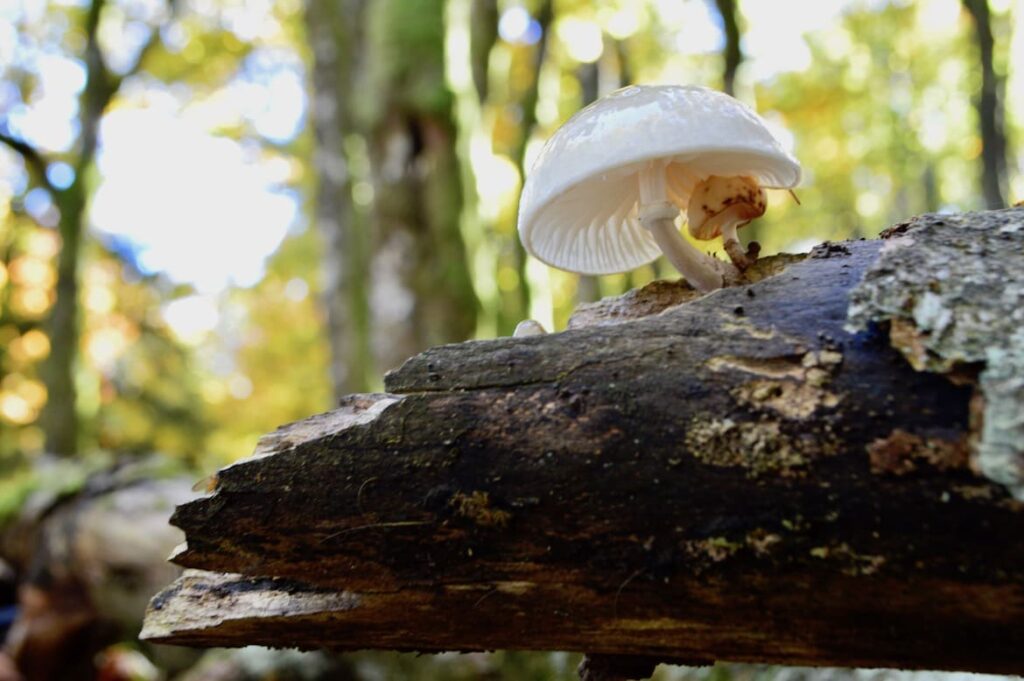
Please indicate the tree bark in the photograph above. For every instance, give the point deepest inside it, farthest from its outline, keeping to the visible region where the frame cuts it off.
(989, 104)
(735, 476)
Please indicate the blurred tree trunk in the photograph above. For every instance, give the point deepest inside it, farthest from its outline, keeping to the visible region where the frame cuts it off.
(990, 109)
(731, 52)
(528, 121)
(390, 194)
(588, 287)
(473, 31)
(336, 37)
(483, 34)
(930, 180)
(59, 418)
(621, 53)
(421, 292)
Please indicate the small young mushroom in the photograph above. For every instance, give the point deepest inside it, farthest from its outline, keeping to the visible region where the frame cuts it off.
(606, 189)
(719, 206)
(528, 327)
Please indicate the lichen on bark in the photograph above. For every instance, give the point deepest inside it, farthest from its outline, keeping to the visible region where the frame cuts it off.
(951, 288)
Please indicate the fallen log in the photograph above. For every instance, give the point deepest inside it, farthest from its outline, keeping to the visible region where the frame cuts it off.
(737, 477)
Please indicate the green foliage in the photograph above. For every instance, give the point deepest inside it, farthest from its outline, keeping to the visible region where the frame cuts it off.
(207, 58)
(879, 127)
(281, 356)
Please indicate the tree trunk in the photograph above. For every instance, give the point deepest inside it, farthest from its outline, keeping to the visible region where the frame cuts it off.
(483, 33)
(422, 291)
(989, 104)
(588, 288)
(732, 476)
(59, 418)
(471, 32)
(528, 121)
(336, 36)
(731, 52)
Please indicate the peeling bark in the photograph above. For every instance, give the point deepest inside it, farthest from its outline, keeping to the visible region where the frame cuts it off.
(951, 290)
(735, 477)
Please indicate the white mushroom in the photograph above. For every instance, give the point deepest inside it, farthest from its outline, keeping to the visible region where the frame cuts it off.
(604, 193)
(528, 327)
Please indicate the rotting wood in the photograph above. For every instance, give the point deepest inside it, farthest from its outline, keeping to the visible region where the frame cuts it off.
(738, 477)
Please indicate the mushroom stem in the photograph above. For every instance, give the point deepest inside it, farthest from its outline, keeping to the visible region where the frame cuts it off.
(658, 216)
(731, 241)
(690, 262)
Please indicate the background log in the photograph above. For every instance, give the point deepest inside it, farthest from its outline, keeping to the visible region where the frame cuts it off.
(738, 477)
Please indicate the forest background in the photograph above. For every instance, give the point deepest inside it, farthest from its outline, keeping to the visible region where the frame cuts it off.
(219, 216)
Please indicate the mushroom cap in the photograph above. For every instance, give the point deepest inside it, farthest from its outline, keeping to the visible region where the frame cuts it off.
(729, 200)
(578, 208)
